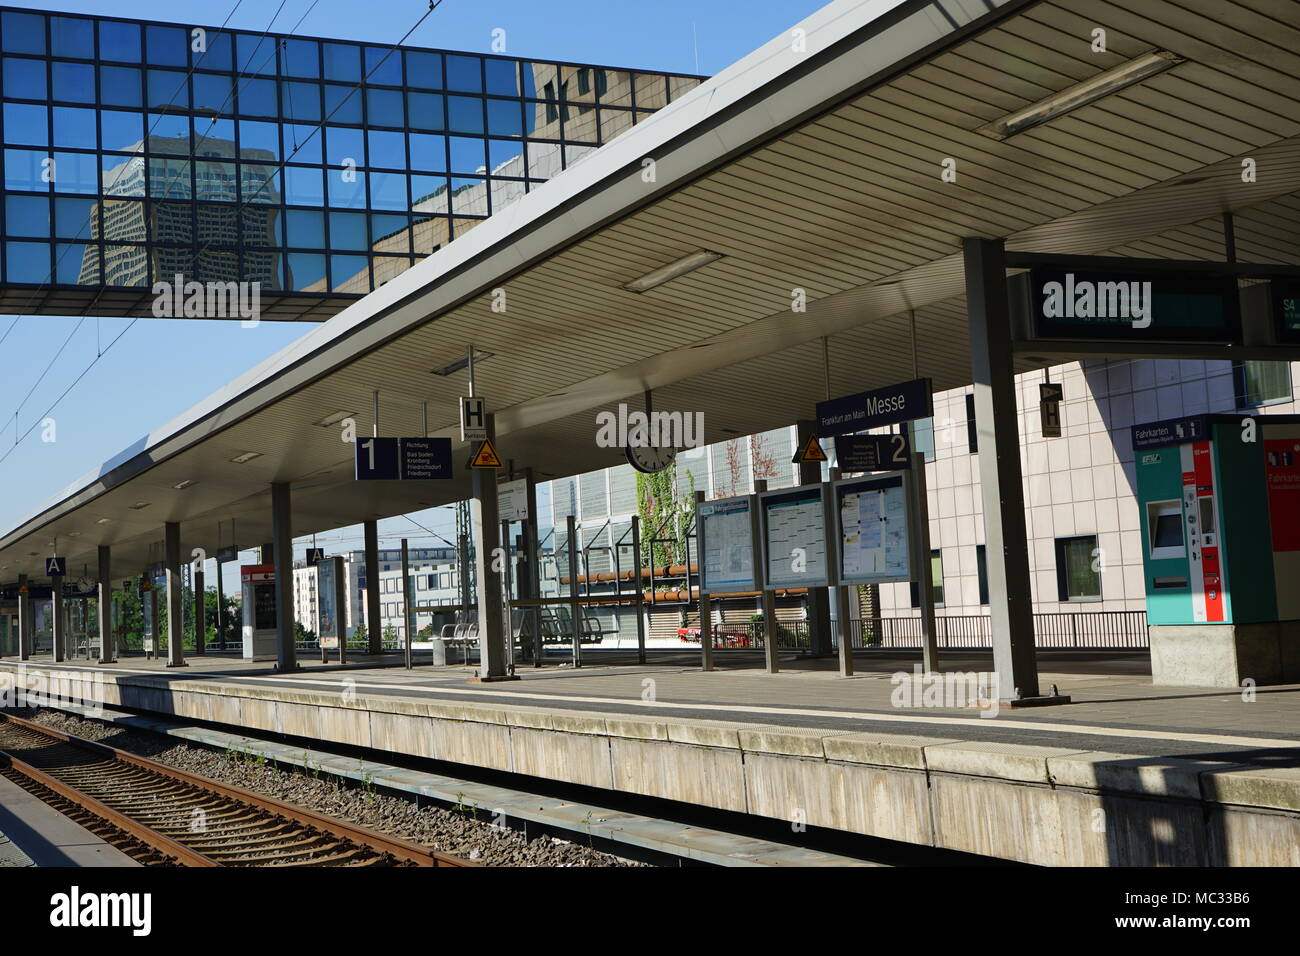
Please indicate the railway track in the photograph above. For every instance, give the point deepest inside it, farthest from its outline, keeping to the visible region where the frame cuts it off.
(163, 816)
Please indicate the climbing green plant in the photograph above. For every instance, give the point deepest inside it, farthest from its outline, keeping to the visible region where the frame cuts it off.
(660, 507)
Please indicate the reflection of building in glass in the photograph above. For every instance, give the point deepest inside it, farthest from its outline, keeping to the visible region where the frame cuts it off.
(319, 167)
(202, 240)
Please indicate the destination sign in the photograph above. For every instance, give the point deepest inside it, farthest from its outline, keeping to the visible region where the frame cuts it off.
(403, 459)
(1286, 310)
(1130, 307)
(903, 402)
(872, 452)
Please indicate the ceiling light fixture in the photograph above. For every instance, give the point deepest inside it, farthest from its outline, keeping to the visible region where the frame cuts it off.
(103, 520)
(674, 270)
(1081, 94)
(246, 457)
(334, 419)
(138, 505)
(182, 485)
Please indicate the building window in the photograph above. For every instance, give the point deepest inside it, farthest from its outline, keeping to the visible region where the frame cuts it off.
(1261, 383)
(982, 572)
(922, 435)
(936, 570)
(1078, 574)
(972, 436)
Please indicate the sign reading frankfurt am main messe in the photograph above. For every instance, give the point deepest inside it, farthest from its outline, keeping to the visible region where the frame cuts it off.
(403, 459)
(903, 402)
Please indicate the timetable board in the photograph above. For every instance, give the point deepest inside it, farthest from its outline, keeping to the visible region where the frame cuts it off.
(873, 529)
(795, 551)
(727, 546)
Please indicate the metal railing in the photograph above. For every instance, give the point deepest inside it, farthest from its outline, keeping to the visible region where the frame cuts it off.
(1082, 629)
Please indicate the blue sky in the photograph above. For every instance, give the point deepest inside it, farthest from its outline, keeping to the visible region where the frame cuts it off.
(161, 367)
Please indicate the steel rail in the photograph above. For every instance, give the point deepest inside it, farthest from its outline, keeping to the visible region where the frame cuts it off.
(397, 847)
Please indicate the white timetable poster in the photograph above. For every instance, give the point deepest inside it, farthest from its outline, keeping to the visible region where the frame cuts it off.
(796, 539)
(727, 533)
(874, 536)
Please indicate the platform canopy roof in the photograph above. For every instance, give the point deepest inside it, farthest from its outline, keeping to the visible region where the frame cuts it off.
(814, 163)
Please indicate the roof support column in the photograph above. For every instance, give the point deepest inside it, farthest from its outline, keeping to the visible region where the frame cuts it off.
(104, 592)
(494, 656)
(200, 610)
(819, 599)
(24, 619)
(1010, 598)
(58, 625)
(282, 551)
(175, 597)
(374, 621)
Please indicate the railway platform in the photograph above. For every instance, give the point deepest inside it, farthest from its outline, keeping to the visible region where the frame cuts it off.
(1127, 774)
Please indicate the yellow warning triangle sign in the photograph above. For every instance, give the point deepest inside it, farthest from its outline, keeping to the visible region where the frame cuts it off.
(811, 451)
(486, 456)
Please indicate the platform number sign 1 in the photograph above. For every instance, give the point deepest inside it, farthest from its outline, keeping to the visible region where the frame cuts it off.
(55, 567)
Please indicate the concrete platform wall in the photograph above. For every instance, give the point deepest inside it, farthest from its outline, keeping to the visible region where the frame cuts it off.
(1044, 805)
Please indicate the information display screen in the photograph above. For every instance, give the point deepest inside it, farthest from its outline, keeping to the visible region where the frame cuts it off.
(794, 525)
(327, 613)
(873, 527)
(726, 545)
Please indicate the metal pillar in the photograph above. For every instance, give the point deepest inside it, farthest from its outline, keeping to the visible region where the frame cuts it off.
(531, 574)
(841, 594)
(340, 605)
(374, 613)
(200, 611)
(286, 655)
(24, 620)
(221, 608)
(406, 604)
(925, 566)
(484, 521)
(819, 599)
(640, 591)
(56, 615)
(1006, 542)
(767, 599)
(266, 553)
(575, 607)
(175, 605)
(706, 606)
(107, 647)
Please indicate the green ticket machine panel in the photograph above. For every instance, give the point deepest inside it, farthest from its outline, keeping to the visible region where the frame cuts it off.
(1219, 509)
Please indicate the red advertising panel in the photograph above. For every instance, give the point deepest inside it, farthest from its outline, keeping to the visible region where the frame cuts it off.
(1282, 475)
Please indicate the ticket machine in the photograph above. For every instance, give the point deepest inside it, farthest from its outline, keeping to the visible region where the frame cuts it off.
(1219, 508)
(258, 591)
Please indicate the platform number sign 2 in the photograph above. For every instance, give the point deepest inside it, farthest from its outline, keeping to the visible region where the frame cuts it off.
(55, 567)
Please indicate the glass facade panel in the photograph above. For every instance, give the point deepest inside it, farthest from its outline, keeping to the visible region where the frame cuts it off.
(24, 78)
(133, 151)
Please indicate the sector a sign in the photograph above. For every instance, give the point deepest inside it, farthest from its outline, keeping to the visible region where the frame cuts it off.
(1125, 307)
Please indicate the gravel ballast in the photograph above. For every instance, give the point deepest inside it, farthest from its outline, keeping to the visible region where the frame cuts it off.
(453, 831)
